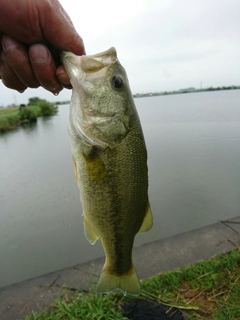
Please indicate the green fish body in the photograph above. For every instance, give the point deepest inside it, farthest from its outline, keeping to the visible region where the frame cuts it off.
(110, 163)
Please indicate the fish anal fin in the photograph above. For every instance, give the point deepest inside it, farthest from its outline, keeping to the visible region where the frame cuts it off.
(128, 282)
(147, 221)
(89, 233)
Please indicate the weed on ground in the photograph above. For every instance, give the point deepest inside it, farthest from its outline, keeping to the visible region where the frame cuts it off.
(206, 290)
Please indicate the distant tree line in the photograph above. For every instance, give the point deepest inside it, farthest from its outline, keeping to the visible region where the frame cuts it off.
(187, 90)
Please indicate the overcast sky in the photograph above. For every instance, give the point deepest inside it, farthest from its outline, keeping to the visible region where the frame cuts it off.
(164, 45)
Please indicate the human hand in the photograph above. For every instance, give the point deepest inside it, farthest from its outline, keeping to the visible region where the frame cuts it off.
(32, 34)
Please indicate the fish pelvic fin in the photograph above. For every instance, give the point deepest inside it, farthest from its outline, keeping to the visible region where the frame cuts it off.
(147, 221)
(127, 282)
(89, 233)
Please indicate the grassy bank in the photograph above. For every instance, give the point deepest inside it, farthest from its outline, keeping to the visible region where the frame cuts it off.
(206, 290)
(12, 118)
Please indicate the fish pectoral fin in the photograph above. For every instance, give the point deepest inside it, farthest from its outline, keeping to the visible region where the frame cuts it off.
(147, 221)
(127, 282)
(75, 169)
(89, 233)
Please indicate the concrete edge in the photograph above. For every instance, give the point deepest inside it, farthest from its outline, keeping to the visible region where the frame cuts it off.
(18, 300)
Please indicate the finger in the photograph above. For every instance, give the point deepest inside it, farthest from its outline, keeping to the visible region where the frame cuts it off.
(9, 78)
(17, 58)
(44, 68)
(63, 77)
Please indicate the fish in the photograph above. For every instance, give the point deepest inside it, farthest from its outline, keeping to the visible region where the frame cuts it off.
(110, 163)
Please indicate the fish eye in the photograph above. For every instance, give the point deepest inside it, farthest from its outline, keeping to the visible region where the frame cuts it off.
(117, 82)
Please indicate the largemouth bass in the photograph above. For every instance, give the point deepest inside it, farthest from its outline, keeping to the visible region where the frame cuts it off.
(110, 163)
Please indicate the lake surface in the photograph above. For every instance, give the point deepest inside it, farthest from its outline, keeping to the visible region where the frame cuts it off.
(193, 143)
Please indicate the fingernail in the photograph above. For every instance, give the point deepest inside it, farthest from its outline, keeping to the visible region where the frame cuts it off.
(64, 78)
(8, 43)
(39, 54)
(62, 75)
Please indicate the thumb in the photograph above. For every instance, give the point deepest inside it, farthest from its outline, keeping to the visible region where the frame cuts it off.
(58, 29)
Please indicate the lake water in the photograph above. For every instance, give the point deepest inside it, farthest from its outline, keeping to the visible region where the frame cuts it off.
(193, 143)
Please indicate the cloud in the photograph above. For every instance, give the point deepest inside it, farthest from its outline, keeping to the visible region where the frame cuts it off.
(162, 44)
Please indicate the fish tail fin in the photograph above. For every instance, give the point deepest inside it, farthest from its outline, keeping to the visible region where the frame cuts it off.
(127, 282)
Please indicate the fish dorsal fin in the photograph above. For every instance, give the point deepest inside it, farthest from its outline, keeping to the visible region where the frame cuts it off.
(89, 233)
(147, 221)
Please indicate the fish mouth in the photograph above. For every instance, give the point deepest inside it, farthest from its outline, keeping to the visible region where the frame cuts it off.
(98, 61)
(78, 65)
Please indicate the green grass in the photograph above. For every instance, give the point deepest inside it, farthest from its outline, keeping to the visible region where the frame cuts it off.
(6, 111)
(212, 286)
(206, 290)
(91, 306)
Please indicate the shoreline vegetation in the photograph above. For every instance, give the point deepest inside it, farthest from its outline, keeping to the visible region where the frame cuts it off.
(14, 117)
(164, 93)
(206, 290)
(187, 90)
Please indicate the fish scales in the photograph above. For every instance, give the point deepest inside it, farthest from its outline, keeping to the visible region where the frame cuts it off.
(110, 163)
(118, 211)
